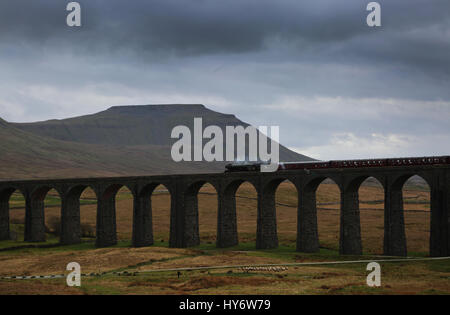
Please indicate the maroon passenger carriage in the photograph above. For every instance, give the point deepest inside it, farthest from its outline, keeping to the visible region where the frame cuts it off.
(408, 161)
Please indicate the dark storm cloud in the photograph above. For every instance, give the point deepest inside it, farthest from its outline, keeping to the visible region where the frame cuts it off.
(414, 32)
(199, 26)
(181, 27)
(210, 25)
(313, 67)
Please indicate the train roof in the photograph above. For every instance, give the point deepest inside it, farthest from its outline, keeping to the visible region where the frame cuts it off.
(370, 159)
(304, 162)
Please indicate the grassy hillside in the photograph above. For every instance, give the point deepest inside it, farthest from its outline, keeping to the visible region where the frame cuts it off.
(27, 155)
(123, 140)
(137, 126)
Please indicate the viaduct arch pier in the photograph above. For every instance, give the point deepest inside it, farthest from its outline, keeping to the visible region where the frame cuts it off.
(184, 226)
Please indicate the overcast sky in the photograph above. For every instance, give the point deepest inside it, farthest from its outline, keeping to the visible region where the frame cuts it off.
(336, 87)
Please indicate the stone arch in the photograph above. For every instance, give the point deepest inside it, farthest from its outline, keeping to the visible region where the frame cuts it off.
(355, 182)
(227, 234)
(403, 220)
(370, 209)
(400, 180)
(269, 212)
(76, 191)
(191, 228)
(312, 184)
(71, 231)
(148, 188)
(35, 213)
(143, 214)
(5, 196)
(308, 216)
(106, 225)
(111, 191)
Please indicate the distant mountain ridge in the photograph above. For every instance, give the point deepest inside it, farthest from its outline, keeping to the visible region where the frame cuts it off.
(122, 140)
(123, 125)
(137, 125)
(25, 155)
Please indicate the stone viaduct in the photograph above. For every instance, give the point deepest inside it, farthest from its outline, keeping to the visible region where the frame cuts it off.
(184, 227)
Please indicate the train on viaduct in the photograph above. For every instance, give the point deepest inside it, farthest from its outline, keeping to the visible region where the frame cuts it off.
(184, 223)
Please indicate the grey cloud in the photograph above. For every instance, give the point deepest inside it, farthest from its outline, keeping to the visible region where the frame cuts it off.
(315, 31)
(208, 26)
(240, 53)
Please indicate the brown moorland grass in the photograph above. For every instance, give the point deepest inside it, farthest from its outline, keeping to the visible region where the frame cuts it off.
(400, 278)
(417, 215)
(397, 278)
